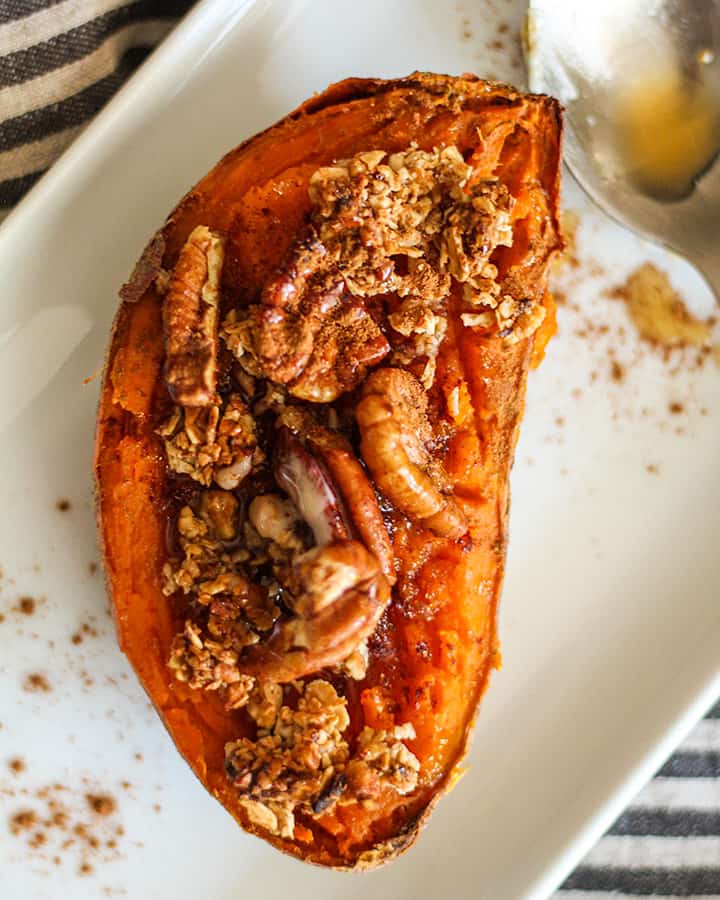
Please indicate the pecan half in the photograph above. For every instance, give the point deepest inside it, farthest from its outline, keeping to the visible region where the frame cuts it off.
(339, 594)
(190, 314)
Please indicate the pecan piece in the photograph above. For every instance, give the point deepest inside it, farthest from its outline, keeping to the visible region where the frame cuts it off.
(339, 594)
(394, 438)
(346, 346)
(338, 487)
(190, 314)
(307, 484)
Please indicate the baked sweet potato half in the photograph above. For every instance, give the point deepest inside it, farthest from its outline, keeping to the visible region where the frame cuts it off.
(308, 417)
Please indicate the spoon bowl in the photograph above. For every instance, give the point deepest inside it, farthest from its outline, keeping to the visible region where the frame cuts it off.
(640, 82)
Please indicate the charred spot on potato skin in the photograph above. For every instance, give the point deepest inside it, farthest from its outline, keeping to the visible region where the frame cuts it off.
(145, 271)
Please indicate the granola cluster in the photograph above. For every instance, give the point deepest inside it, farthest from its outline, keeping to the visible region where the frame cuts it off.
(488, 308)
(400, 224)
(210, 443)
(205, 661)
(301, 760)
(375, 207)
(356, 665)
(427, 207)
(419, 320)
(231, 612)
(381, 760)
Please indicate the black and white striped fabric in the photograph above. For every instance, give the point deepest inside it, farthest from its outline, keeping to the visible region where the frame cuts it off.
(667, 842)
(60, 61)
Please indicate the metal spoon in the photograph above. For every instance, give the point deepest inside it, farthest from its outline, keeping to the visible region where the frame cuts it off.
(640, 81)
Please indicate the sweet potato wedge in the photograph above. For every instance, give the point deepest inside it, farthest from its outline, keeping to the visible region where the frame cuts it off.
(308, 416)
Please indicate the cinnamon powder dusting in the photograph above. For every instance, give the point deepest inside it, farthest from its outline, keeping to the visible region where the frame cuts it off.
(651, 330)
(26, 606)
(23, 821)
(617, 373)
(63, 827)
(16, 765)
(101, 804)
(36, 683)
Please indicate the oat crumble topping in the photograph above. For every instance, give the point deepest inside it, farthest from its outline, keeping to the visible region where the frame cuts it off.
(415, 203)
(395, 228)
(382, 760)
(369, 211)
(212, 443)
(233, 611)
(300, 761)
(356, 665)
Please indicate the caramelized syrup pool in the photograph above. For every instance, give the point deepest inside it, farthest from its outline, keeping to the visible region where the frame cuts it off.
(670, 130)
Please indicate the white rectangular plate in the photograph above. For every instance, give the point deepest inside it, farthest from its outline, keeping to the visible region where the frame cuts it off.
(610, 621)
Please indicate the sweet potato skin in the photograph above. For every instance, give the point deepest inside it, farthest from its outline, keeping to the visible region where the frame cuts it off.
(433, 653)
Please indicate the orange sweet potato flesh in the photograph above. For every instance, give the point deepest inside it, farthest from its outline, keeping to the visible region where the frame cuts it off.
(436, 647)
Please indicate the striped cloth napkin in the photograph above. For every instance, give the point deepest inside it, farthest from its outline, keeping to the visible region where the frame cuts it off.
(60, 61)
